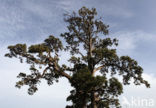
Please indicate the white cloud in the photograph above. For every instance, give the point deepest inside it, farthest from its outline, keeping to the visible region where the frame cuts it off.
(131, 41)
(139, 93)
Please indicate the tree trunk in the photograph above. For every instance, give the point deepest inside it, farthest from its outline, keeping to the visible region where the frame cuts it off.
(84, 106)
(93, 103)
(91, 67)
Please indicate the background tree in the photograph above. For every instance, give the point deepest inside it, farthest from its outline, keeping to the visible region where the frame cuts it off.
(87, 33)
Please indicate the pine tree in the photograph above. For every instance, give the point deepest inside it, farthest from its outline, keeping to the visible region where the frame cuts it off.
(91, 90)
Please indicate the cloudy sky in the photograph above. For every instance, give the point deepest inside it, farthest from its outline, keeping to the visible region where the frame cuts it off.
(30, 21)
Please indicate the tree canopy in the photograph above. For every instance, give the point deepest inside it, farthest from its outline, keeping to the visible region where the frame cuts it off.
(85, 32)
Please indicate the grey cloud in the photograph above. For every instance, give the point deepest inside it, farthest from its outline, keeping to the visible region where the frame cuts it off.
(30, 20)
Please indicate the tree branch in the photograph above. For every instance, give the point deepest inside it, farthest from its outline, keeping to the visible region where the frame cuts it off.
(61, 72)
(79, 53)
(79, 37)
(44, 71)
(98, 68)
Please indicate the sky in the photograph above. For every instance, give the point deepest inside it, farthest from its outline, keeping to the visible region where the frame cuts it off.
(31, 21)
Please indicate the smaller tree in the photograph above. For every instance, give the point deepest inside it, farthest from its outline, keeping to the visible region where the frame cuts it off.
(90, 90)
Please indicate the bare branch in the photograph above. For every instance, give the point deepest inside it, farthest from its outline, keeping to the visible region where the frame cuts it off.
(61, 72)
(44, 71)
(98, 68)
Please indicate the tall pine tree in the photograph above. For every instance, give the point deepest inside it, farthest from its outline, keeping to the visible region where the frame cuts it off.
(91, 90)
